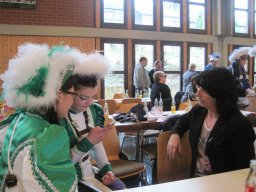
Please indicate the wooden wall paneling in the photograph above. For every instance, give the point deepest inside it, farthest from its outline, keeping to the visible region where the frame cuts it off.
(129, 14)
(209, 19)
(97, 47)
(9, 45)
(158, 15)
(129, 67)
(158, 50)
(97, 14)
(185, 56)
(184, 16)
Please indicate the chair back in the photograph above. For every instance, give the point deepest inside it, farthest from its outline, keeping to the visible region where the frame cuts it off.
(125, 107)
(252, 104)
(176, 169)
(183, 106)
(118, 96)
(131, 100)
(111, 142)
(111, 105)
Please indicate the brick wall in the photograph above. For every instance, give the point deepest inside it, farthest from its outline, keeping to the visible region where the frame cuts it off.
(77, 13)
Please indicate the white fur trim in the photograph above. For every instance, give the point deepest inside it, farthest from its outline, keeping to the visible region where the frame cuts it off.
(237, 53)
(29, 59)
(94, 64)
(252, 51)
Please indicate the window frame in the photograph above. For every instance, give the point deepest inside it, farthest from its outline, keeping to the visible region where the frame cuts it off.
(143, 27)
(112, 25)
(124, 72)
(171, 29)
(197, 31)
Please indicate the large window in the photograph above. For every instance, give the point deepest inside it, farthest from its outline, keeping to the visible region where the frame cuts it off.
(172, 63)
(241, 20)
(171, 15)
(114, 13)
(143, 14)
(115, 51)
(197, 16)
(197, 55)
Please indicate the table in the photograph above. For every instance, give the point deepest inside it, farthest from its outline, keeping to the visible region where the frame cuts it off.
(140, 127)
(233, 181)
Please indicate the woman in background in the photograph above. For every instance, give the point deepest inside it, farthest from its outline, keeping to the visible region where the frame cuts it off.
(160, 89)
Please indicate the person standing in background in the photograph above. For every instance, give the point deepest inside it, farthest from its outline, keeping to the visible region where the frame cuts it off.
(214, 58)
(141, 79)
(238, 59)
(158, 67)
(188, 74)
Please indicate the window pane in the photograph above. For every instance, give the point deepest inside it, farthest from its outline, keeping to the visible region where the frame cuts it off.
(241, 4)
(197, 56)
(197, 1)
(255, 23)
(114, 83)
(172, 59)
(196, 17)
(254, 65)
(143, 12)
(113, 11)
(241, 22)
(254, 80)
(171, 14)
(145, 51)
(173, 81)
(115, 52)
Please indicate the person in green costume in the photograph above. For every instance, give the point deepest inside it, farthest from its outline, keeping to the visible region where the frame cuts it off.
(34, 148)
(87, 116)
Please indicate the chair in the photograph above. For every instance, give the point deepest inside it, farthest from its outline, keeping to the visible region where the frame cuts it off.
(131, 100)
(118, 96)
(252, 104)
(111, 105)
(183, 105)
(176, 169)
(125, 108)
(121, 168)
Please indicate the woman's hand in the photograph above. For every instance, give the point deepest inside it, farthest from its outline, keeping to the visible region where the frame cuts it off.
(173, 145)
(96, 134)
(108, 178)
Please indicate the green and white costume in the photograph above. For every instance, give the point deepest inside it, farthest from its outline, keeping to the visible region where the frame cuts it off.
(81, 155)
(39, 154)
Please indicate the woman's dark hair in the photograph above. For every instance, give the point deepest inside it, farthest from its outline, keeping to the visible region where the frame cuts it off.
(51, 114)
(220, 84)
(85, 81)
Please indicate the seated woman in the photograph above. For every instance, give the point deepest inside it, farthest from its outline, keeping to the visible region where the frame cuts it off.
(221, 138)
(160, 88)
(35, 155)
(86, 117)
(190, 90)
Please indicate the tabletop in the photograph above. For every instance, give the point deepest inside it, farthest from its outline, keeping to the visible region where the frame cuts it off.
(233, 181)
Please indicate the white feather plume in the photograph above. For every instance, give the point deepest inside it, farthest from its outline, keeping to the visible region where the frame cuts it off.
(94, 64)
(237, 53)
(252, 51)
(29, 59)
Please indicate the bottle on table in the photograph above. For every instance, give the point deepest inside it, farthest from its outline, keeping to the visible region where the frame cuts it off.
(173, 107)
(106, 111)
(250, 183)
(137, 94)
(160, 104)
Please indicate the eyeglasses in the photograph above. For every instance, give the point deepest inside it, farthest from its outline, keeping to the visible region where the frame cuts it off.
(71, 93)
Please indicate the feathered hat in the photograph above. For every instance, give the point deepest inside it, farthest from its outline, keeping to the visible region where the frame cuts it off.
(214, 56)
(237, 53)
(94, 64)
(37, 73)
(252, 51)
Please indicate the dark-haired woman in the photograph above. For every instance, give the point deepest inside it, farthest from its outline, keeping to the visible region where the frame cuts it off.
(88, 119)
(221, 138)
